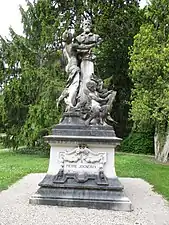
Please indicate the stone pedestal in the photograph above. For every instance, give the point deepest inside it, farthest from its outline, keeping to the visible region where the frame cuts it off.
(81, 170)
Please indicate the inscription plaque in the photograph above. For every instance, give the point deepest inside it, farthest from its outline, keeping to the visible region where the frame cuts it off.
(81, 160)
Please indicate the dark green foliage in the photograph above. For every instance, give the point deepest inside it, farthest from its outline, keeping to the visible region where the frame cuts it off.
(138, 142)
(31, 73)
(32, 78)
(41, 150)
(119, 23)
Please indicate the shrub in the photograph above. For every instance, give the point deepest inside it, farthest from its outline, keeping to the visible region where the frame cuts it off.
(138, 142)
(42, 149)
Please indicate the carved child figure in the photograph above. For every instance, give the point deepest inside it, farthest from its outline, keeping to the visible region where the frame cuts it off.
(98, 105)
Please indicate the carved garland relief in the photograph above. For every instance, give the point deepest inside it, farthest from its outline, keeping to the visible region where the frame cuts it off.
(81, 160)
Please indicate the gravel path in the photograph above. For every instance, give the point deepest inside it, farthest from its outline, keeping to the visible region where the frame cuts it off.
(149, 207)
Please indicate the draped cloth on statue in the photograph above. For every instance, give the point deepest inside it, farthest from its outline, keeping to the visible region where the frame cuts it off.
(87, 70)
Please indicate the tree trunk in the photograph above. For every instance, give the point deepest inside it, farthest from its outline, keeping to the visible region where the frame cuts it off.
(161, 146)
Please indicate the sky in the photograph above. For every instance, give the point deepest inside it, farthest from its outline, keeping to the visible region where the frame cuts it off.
(10, 15)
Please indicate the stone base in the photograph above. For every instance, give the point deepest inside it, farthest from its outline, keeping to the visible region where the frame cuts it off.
(90, 195)
(81, 170)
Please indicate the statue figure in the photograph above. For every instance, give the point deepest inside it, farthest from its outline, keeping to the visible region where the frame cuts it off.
(70, 93)
(84, 44)
(99, 104)
(84, 92)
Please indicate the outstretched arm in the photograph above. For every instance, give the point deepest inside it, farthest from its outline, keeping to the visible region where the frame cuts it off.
(83, 46)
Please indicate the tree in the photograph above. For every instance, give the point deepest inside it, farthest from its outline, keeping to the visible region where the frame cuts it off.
(149, 72)
(119, 23)
(29, 111)
(32, 79)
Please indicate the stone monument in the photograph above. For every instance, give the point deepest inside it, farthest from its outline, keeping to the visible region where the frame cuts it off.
(81, 169)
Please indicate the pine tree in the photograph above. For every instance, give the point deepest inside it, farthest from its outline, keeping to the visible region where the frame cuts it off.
(32, 79)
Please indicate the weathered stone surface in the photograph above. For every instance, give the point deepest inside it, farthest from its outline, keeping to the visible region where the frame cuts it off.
(73, 129)
(73, 125)
(113, 184)
(82, 140)
(88, 195)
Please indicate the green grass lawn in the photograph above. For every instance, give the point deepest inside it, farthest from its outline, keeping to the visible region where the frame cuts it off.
(144, 167)
(14, 166)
